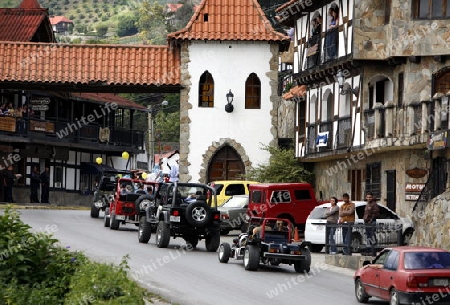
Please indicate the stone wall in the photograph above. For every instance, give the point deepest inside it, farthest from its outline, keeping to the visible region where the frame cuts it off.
(432, 223)
(286, 119)
(59, 198)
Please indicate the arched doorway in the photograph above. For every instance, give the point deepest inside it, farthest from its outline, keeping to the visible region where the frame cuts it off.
(226, 164)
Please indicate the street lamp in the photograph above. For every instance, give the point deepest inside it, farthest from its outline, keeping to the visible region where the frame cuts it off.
(151, 134)
(229, 106)
(345, 88)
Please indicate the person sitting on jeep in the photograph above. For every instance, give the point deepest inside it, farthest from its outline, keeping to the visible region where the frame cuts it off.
(281, 226)
(141, 189)
(123, 189)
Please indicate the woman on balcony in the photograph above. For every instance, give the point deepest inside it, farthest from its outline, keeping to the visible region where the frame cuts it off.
(331, 37)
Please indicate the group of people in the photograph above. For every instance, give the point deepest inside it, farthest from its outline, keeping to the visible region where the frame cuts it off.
(7, 109)
(159, 175)
(345, 214)
(42, 180)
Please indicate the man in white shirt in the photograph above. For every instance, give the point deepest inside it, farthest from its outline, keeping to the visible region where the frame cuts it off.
(175, 172)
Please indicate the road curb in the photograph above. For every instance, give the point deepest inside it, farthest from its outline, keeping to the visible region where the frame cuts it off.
(40, 207)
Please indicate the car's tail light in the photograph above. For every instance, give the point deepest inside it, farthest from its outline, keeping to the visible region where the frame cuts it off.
(417, 281)
(224, 216)
(274, 250)
(216, 217)
(296, 252)
(175, 213)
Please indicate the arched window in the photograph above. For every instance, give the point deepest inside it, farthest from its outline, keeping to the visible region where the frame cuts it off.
(206, 90)
(252, 92)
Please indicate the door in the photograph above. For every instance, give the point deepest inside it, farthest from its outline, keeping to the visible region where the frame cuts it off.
(440, 176)
(391, 189)
(226, 165)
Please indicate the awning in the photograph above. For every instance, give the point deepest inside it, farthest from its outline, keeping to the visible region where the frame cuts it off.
(91, 168)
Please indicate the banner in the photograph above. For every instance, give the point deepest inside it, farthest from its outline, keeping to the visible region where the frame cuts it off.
(322, 139)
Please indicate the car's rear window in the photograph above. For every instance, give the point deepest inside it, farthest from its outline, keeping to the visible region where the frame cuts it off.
(302, 194)
(317, 213)
(427, 260)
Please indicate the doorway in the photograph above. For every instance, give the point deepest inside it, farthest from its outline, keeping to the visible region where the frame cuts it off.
(226, 164)
(391, 190)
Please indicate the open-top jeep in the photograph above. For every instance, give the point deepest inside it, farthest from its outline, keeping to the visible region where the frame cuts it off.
(106, 187)
(269, 241)
(127, 202)
(186, 210)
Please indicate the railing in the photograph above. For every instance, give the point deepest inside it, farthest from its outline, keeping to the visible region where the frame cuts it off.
(327, 126)
(417, 123)
(369, 123)
(73, 132)
(344, 133)
(364, 238)
(311, 139)
(313, 52)
(330, 48)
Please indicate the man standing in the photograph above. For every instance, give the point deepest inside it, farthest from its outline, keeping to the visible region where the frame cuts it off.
(371, 213)
(34, 185)
(45, 183)
(175, 172)
(347, 217)
(9, 183)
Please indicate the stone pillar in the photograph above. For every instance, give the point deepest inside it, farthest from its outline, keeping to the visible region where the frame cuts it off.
(437, 110)
(389, 118)
(425, 117)
(378, 123)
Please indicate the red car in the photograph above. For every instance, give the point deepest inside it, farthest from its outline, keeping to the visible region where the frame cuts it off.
(405, 275)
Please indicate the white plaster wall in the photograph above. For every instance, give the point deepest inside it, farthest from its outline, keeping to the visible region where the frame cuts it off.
(230, 65)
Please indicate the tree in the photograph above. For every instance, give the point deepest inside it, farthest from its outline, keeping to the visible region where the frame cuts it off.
(102, 29)
(282, 167)
(126, 25)
(151, 23)
(180, 18)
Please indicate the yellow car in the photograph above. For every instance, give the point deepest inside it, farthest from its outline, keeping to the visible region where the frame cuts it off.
(227, 188)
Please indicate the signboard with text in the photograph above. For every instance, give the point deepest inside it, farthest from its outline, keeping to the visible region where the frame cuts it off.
(438, 140)
(412, 191)
(40, 103)
(8, 124)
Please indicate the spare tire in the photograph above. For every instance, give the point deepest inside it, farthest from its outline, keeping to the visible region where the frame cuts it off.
(198, 214)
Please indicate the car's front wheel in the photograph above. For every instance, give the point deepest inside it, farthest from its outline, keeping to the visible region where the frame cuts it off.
(360, 292)
(162, 235)
(212, 240)
(251, 257)
(224, 252)
(94, 211)
(106, 219)
(315, 248)
(304, 265)
(113, 222)
(144, 232)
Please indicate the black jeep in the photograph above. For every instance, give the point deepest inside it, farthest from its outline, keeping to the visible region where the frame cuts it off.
(104, 193)
(186, 210)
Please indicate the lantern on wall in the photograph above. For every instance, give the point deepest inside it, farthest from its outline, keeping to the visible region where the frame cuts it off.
(125, 155)
(99, 160)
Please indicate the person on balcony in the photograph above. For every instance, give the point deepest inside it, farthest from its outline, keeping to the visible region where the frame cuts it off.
(331, 37)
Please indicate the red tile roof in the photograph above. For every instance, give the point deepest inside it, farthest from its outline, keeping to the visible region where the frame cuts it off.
(17, 24)
(58, 19)
(88, 64)
(103, 98)
(27, 4)
(229, 20)
(297, 91)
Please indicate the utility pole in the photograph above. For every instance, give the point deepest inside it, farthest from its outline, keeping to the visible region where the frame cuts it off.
(151, 135)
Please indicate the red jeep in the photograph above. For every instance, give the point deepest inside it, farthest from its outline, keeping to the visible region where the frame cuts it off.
(126, 205)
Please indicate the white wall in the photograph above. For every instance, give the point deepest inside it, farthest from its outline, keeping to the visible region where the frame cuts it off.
(230, 65)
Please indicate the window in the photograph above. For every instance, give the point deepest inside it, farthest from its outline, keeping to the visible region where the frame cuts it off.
(256, 197)
(280, 196)
(401, 88)
(302, 194)
(391, 261)
(253, 92)
(58, 177)
(431, 9)
(235, 189)
(206, 90)
(373, 179)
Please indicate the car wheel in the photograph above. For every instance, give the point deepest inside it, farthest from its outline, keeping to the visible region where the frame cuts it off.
(394, 298)
(360, 292)
(162, 235)
(315, 248)
(304, 265)
(144, 232)
(94, 211)
(106, 219)
(251, 257)
(212, 240)
(198, 214)
(406, 238)
(224, 252)
(356, 243)
(113, 222)
(224, 232)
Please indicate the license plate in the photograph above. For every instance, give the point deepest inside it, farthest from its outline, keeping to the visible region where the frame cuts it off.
(320, 228)
(174, 218)
(440, 282)
(120, 217)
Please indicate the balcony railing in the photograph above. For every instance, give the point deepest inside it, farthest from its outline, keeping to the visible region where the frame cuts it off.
(313, 52)
(344, 133)
(369, 122)
(311, 140)
(72, 132)
(417, 123)
(330, 47)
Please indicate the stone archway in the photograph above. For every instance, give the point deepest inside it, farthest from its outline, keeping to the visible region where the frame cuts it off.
(240, 159)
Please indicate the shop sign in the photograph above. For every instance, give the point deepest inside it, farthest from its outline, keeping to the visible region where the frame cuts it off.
(438, 140)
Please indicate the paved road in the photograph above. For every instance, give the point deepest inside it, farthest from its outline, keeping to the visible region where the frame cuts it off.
(195, 277)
